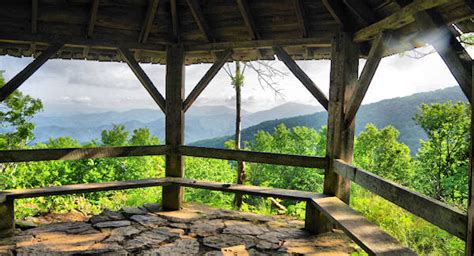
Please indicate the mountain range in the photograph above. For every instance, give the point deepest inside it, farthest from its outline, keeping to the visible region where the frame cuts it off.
(398, 112)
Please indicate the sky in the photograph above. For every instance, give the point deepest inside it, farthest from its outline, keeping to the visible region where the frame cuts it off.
(91, 86)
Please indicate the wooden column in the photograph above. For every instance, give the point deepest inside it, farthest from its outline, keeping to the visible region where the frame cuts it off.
(7, 219)
(173, 194)
(340, 136)
(470, 206)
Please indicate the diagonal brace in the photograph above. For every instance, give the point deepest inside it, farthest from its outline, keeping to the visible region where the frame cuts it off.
(143, 77)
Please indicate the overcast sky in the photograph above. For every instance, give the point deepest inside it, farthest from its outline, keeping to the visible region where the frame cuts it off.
(93, 86)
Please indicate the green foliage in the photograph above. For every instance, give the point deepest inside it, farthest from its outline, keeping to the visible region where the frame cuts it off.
(15, 115)
(443, 158)
(115, 137)
(380, 152)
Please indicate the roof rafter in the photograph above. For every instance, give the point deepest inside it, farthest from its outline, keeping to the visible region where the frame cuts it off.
(363, 13)
(248, 19)
(93, 17)
(301, 75)
(34, 16)
(301, 16)
(148, 21)
(335, 8)
(200, 20)
(174, 20)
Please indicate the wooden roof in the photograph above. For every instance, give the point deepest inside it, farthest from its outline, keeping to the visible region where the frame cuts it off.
(93, 29)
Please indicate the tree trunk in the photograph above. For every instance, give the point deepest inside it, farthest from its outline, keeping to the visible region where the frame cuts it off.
(238, 100)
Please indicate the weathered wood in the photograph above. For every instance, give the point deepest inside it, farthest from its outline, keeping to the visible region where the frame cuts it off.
(174, 21)
(173, 195)
(470, 201)
(367, 235)
(31, 155)
(254, 157)
(10, 195)
(301, 17)
(148, 22)
(92, 17)
(440, 214)
(368, 72)
(21, 77)
(335, 8)
(340, 137)
(248, 19)
(206, 79)
(301, 75)
(247, 189)
(448, 47)
(7, 220)
(397, 20)
(34, 16)
(200, 20)
(144, 79)
(365, 15)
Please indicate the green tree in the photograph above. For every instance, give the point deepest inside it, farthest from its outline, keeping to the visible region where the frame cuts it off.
(380, 152)
(143, 137)
(15, 117)
(443, 158)
(117, 136)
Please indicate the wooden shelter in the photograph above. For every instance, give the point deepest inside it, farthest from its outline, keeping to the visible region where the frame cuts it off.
(180, 32)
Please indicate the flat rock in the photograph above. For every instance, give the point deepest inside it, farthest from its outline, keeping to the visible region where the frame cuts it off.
(227, 240)
(119, 234)
(145, 240)
(207, 227)
(183, 246)
(243, 228)
(182, 216)
(113, 224)
(129, 211)
(153, 207)
(106, 215)
(149, 221)
(78, 227)
(170, 232)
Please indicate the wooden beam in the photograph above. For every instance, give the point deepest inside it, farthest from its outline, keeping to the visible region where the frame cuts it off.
(92, 17)
(7, 221)
(29, 70)
(32, 155)
(7, 195)
(144, 79)
(470, 201)
(301, 75)
(34, 16)
(440, 214)
(397, 20)
(175, 77)
(254, 157)
(174, 21)
(368, 72)
(206, 79)
(363, 13)
(448, 47)
(200, 20)
(148, 21)
(336, 9)
(340, 138)
(367, 235)
(247, 189)
(301, 17)
(244, 9)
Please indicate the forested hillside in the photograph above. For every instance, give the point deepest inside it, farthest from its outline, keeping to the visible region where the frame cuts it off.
(398, 112)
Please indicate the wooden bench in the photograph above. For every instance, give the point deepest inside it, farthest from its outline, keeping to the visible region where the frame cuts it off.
(366, 234)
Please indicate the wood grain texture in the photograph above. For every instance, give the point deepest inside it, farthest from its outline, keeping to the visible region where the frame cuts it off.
(200, 19)
(440, 214)
(32, 155)
(143, 78)
(7, 221)
(470, 201)
(28, 71)
(92, 17)
(148, 21)
(367, 235)
(255, 157)
(301, 75)
(173, 195)
(244, 9)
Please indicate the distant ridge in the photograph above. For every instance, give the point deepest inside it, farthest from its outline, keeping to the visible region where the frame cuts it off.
(398, 112)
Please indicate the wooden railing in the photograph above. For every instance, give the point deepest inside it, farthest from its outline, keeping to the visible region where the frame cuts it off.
(438, 213)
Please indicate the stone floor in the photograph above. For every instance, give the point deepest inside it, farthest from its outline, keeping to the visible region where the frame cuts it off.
(196, 230)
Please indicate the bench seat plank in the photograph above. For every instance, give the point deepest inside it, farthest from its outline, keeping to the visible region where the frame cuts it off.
(366, 234)
(80, 188)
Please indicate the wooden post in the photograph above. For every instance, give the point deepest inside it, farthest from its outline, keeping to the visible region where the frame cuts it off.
(470, 202)
(173, 194)
(340, 137)
(7, 219)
